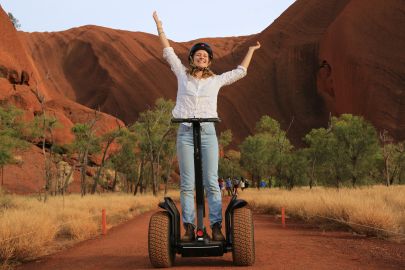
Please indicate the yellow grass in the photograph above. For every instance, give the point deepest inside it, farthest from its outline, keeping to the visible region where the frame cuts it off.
(376, 210)
(30, 228)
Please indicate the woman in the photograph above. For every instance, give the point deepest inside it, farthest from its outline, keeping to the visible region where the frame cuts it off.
(197, 94)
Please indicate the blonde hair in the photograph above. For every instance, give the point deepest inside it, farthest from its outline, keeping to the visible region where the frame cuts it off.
(193, 69)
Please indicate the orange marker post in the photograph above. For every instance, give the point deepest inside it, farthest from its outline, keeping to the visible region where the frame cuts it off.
(283, 217)
(103, 222)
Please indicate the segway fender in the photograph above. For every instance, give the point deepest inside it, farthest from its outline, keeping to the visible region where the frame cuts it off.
(171, 208)
(233, 204)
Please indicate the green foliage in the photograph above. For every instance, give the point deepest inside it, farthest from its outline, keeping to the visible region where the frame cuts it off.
(269, 125)
(229, 161)
(11, 123)
(85, 143)
(229, 165)
(6, 201)
(225, 138)
(11, 133)
(392, 163)
(85, 139)
(106, 141)
(358, 142)
(124, 159)
(154, 131)
(294, 171)
(14, 20)
(266, 152)
(60, 149)
(254, 155)
(347, 151)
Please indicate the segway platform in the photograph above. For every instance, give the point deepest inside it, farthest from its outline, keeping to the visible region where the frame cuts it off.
(201, 248)
(164, 240)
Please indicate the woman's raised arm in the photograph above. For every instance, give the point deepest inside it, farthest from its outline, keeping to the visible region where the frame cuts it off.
(162, 36)
(246, 61)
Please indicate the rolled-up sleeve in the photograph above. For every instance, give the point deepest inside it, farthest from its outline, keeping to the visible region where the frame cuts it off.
(232, 76)
(175, 64)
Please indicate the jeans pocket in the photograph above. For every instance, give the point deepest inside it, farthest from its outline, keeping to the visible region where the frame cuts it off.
(184, 131)
(208, 129)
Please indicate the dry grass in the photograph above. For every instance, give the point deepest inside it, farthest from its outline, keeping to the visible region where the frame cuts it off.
(378, 210)
(30, 228)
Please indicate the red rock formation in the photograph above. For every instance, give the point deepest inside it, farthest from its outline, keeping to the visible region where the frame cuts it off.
(15, 56)
(319, 57)
(364, 48)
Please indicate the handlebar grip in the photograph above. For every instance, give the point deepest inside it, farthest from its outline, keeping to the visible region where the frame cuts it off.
(193, 120)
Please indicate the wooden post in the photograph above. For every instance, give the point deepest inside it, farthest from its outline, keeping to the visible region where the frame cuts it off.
(103, 222)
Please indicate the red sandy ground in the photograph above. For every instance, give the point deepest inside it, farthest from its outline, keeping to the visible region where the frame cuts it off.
(298, 246)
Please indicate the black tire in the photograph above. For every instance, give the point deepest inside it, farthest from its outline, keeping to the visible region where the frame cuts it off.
(161, 253)
(243, 249)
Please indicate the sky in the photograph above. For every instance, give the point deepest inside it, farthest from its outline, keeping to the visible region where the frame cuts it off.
(182, 20)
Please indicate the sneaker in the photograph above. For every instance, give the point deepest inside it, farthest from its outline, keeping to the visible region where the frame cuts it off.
(216, 232)
(189, 234)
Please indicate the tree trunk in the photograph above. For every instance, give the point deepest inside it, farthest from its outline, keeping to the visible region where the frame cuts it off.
(312, 177)
(140, 176)
(83, 173)
(115, 181)
(354, 181)
(66, 180)
(386, 171)
(97, 178)
(2, 175)
(154, 180)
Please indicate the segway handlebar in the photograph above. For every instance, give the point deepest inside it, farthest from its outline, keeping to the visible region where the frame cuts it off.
(193, 120)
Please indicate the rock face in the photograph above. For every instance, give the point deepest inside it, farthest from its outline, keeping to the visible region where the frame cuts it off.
(318, 58)
(21, 76)
(364, 49)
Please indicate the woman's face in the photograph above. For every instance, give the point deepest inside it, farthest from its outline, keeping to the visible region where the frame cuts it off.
(201, 59)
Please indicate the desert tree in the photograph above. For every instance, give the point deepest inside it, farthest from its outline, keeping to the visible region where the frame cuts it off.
(254, 156)
(168, 157)
(317, 152)
(263, 153)
(14, 20)
(86, 142)
(11, 135)
(295, 166)
(357, 140)
(229, 164)
(106, 140)
(155, 129)
(347, 150)
(124, 160)
(393, 156)
(42, 130)
(225, 138)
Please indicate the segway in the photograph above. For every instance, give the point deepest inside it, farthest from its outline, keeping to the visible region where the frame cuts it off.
(164, 227)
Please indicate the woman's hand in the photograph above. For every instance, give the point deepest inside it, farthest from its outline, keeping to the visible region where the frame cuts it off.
(255, 47)
(246, 61)
(157, 21)
(162, 36)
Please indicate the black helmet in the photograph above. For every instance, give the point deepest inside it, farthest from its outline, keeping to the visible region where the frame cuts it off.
(201, 46)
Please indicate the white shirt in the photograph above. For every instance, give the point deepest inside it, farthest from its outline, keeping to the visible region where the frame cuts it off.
(197, 98)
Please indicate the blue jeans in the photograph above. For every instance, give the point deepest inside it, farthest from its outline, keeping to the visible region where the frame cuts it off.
(209, 156)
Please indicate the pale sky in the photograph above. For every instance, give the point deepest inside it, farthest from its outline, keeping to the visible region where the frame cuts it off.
(182, 20)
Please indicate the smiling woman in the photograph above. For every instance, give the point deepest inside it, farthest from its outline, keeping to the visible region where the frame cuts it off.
(197, 95)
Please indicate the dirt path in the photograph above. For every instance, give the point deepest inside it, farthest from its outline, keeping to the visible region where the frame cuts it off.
(298, 246)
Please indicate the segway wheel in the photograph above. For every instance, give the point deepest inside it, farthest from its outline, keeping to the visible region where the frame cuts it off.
(243, 249)
(161, 253)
